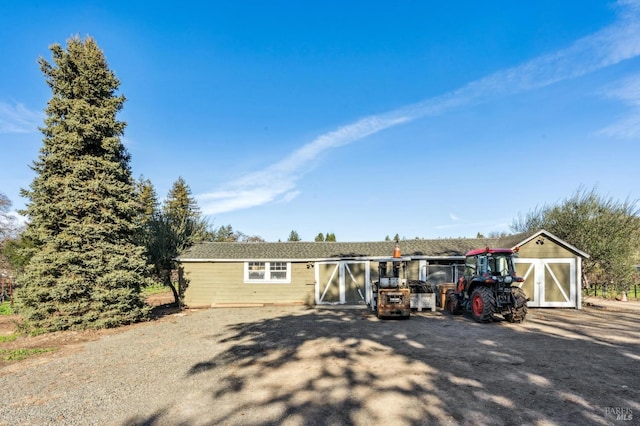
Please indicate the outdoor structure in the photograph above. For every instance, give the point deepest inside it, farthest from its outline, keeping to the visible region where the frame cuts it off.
(315, 273)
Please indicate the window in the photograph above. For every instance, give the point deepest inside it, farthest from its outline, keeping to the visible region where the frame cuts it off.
(470, 267)
(278, 270)
(267, 272)
(256, 270)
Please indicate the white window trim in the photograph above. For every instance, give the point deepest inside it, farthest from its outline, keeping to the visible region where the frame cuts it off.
(267, 267)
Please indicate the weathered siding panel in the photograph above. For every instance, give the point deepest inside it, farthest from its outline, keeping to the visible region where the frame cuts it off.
(197, 281)
(547, 250)
(223, 283)
(557, 283)
(413, 270)
(329, 277)
(355, 282)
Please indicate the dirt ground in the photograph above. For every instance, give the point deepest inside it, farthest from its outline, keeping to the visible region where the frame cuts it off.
(69, 341)
(291, 365)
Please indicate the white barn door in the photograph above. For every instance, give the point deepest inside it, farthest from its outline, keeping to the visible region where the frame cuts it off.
(549, 282)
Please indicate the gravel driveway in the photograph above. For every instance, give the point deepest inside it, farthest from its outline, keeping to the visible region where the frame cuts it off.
(297, 366)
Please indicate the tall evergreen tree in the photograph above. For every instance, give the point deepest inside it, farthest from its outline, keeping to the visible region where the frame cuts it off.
(87, 266)
(319, 237)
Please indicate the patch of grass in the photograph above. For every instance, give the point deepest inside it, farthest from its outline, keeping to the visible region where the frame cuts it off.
(20, 354)
(154, 289)
(5, 308)
(9, 338)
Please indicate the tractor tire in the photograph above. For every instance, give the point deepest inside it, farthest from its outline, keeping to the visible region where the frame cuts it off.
(452, 303)
(520, 307)
(483, 304)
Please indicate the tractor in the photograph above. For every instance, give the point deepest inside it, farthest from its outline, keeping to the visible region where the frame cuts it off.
(489, 287)
(390, 294)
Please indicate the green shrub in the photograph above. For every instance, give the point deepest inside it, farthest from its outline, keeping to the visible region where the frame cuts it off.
(5, 308)
(20, 354)
(9, 338)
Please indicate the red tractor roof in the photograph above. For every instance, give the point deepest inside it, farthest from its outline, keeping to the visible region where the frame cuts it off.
(489, 250)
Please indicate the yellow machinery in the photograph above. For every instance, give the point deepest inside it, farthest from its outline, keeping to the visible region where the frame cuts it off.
(390, 294)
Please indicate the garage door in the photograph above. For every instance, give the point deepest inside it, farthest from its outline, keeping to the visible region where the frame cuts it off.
(343, 282)
(549, 282)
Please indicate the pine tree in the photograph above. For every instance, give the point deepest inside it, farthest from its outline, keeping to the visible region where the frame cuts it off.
(226, 234)
(148, 199)
(179, 225)
(181, 211)
(180, 204)
(293, 236)
(319, 237)
(152, 229)
(87, 266)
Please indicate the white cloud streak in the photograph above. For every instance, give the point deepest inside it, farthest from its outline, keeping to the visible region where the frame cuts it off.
(16, 118)
(609, 46)
(627, 91)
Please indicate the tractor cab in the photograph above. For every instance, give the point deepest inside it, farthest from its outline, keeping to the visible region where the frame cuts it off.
(489, 287)
(489, 264)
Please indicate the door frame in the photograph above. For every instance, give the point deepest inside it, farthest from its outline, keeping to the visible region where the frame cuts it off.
(538, 267)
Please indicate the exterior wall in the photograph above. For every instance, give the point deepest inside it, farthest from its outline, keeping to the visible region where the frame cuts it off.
(552, 274)
(219, 283)
(548, 250)
(210, 284)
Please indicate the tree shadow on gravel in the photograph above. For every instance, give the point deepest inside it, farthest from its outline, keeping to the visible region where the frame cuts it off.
(321, 367)
(164, 310)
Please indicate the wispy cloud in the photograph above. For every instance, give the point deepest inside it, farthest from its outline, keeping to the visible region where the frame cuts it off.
(453, 217)
(277, 182)
(609, 46)
(627, 91)
(16, 118)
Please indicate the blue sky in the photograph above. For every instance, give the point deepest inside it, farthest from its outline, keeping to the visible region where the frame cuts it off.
(363, 119)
